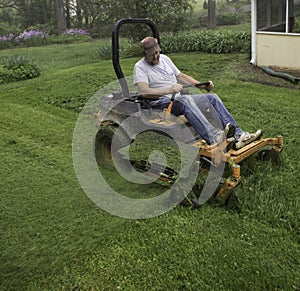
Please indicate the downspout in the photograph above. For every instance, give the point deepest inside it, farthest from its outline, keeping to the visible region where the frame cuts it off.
(283, 75)
(287, 18)
(253, 31)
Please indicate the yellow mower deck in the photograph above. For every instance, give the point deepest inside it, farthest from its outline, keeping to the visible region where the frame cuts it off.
(218, 154)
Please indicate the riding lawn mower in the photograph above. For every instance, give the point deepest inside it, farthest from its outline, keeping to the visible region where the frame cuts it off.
(123, 116)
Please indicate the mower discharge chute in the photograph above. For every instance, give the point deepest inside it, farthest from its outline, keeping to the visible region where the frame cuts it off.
(113, 133)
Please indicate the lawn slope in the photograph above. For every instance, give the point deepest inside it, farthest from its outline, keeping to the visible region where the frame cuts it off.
(53, 237)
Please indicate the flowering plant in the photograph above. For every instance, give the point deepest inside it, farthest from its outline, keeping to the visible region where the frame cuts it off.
(76, 31)
(7, 41)
(32, 33)
(31, 38)
(26, 38)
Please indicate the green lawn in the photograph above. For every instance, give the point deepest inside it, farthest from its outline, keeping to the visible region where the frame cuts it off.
(54, 238)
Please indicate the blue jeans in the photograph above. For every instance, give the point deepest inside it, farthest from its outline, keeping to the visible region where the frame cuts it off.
(205, 112)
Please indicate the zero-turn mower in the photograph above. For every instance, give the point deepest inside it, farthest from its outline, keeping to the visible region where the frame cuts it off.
(124, 115)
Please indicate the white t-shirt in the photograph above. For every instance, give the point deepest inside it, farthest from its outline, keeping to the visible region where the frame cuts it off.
(160, 76)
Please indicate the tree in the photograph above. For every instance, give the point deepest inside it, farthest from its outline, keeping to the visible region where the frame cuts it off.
(68, 14)
(60, 16)
(212, 21)
(8, 4)
(169, 15)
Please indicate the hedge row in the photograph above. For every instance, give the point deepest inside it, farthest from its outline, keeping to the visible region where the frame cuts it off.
(209, 41)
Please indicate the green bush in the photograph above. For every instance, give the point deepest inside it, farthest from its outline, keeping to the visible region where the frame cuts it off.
(105, 51)
(228, 19)
(6, 29)
(210, 41)
(127, 50)
(296, 26)
(17, 68)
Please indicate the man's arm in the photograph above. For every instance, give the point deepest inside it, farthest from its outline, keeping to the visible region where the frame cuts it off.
(184, 78)
(153, 93)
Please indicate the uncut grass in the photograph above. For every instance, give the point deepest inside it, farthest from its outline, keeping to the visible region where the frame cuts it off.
(54, 237)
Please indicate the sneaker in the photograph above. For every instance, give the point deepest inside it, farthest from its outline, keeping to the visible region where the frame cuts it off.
(229, 131)
(246, 138)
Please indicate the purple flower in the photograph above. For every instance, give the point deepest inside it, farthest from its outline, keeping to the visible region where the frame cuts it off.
(11, 36)
(28, 38)
(32, 33)
(76, 31)
(3, 38)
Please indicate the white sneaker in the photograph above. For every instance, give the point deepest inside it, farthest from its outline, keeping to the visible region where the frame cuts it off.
(246, 138)
(228, 132)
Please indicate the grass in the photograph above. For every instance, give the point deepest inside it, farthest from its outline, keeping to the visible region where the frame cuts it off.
(53, 237)
(59, 56)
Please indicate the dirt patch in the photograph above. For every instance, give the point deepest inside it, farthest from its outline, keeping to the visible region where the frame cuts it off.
(250, 73)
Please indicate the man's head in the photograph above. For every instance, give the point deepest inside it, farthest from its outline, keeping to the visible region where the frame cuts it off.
(151, 50)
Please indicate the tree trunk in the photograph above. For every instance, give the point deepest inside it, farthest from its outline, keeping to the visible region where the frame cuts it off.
(212, 20)
(79, 13)
(68, 16)
(60, 16)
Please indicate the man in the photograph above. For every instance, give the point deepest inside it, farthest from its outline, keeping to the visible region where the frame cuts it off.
(156, 77)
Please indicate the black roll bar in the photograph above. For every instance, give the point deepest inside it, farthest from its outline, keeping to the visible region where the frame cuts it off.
(116, 47)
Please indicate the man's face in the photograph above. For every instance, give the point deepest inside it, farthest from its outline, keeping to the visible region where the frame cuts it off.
(153, 59)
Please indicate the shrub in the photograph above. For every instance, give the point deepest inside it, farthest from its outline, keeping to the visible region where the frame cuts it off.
(69, 36)
(47, 28)
(26, 38)
(105, 52)
(35, 37)
(31, 38)
(18, 68)
(296, 26)
(6, 29)
(209, 41)
(76, 31)
(127, 50)
(228, 19)
(7, 41)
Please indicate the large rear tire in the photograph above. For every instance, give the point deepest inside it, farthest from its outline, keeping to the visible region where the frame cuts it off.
(103, 144)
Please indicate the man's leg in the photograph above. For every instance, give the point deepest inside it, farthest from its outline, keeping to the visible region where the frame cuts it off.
(185, 105)
(242, 138)
(213, 103)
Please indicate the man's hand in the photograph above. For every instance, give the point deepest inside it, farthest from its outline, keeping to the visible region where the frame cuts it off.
(207, 87)
(210, 86)
(175, 88)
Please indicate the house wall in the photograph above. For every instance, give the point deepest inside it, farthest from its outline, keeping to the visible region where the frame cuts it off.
(278, 49)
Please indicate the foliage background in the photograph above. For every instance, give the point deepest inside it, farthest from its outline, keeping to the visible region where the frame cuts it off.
(97, 16)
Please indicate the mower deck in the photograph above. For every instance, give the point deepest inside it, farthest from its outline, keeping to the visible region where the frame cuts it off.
(217, 152)
(233, 157)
